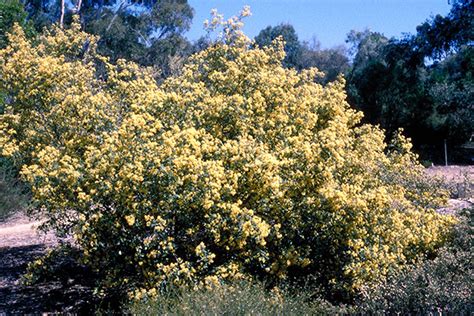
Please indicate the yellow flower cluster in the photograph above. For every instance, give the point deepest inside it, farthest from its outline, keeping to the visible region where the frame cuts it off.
(234, 168)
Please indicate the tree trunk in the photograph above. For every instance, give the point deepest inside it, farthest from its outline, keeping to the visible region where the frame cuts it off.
(78, 7)
(61, 19)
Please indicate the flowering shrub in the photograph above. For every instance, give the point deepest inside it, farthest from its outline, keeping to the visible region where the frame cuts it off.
(237, 168)
(440, 285)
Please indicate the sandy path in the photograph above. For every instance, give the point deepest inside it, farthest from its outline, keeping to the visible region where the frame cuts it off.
(27, 231)
(21, 243)
(20, 231)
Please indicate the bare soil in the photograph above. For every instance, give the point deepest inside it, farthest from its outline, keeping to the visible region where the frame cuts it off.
(453, 174)
(20, 244)
(19, 230)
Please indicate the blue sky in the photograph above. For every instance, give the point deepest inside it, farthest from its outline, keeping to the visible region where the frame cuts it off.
(328, 20)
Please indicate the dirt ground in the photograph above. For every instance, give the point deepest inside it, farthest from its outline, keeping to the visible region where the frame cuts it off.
(457, 174)
(460, 180)
(19, 230)
(20, 244)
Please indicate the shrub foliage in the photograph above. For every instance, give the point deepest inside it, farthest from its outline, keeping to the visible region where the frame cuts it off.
(235, 169)
(441, 285)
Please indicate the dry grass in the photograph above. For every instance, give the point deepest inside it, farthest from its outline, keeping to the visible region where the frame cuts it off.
(459, 180)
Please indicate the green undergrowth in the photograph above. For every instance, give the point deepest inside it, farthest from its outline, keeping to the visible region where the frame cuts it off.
(440, 285)
(241, 298)
(13, 193)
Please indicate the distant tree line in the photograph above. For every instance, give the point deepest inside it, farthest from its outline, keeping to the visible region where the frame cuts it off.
(422, 82)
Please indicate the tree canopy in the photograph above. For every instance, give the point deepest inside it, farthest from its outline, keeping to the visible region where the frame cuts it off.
(11, 12)
(147, 32)
(422, 82)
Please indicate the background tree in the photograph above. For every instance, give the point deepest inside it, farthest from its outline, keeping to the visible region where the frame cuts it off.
(387, 83)
(367, 73)
(293, 47)
(331, 61)
(149, 32)
(451, 88)
(364, 46)
(422, 82)
(440, 36)
(12, 11)
(447, 43)
(303, 55)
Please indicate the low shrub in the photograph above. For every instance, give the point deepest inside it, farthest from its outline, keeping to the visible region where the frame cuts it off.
(59, 264)
(238, 298)
(441, 285)
(463, 188)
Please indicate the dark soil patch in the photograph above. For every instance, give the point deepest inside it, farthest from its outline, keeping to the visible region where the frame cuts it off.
(69, 295)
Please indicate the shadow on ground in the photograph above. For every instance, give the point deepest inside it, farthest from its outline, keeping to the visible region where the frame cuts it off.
(70, 294)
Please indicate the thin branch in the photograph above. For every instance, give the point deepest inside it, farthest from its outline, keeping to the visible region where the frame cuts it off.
(121, 6)
(147, 42)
